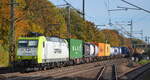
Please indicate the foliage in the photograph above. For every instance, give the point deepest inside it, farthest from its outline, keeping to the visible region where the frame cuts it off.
(4, 21)
(148, 52)
(4, 57)
(144, 61)
(43, 17)
(80, 29)
(114, 38)
(137, 41)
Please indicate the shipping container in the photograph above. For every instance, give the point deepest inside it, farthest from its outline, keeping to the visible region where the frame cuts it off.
(119, 50)
(90, 50)
(125, 50)
(75, 48)
(101, 48)
(116, 50)
(107, 49)
(86, 50)
(96, 50)
(112, 51)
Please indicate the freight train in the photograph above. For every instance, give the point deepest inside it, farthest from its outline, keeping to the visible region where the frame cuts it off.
(47, 52)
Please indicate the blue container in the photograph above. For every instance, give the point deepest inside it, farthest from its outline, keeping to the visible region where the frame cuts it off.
(125, 50)
(120, 50)
(115, 51)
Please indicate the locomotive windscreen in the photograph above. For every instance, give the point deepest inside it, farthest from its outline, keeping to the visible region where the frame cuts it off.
(27, 43)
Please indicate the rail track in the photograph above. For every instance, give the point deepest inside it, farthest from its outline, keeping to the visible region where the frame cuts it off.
(134, 74)
(104, 72)
(114, 72)
(99, 77)
(57, 73)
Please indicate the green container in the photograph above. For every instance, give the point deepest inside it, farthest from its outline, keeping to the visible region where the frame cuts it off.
(75, 48)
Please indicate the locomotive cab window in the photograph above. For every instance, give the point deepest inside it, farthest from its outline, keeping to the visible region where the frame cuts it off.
(22, 43)
(55, 39)
(32, 43)
(27, 43)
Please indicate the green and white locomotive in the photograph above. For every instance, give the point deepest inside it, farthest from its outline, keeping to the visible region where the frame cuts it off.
(41, 51)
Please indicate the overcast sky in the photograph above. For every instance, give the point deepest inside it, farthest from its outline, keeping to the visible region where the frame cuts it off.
(97, 12)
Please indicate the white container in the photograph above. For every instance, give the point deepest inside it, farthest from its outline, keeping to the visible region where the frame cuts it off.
(89, 50)
(92, 50)
(95, 50)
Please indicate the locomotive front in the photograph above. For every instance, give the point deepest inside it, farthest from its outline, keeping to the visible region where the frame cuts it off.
(29, 51)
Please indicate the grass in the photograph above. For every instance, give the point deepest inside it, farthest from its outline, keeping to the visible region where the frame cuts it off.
(144, 61)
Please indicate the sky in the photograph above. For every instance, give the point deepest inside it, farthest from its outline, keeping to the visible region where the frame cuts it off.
(97, 11)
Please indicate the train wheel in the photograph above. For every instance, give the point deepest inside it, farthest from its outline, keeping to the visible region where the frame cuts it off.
(45, 68)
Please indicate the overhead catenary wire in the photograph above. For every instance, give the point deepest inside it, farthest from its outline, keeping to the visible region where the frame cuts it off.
(94, 17)
(136, 6)
(131, 26)
(78, 11)
(67, 3)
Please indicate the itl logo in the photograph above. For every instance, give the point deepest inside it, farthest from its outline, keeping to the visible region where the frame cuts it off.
(77, 48)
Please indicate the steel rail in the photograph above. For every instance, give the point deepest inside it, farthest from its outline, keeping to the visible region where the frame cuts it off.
(100, 73)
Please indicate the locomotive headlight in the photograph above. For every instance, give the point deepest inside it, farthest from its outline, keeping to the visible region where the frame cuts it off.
(19, 57)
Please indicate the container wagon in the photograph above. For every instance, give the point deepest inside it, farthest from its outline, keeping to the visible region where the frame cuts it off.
(90, 51)
(75, 50)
